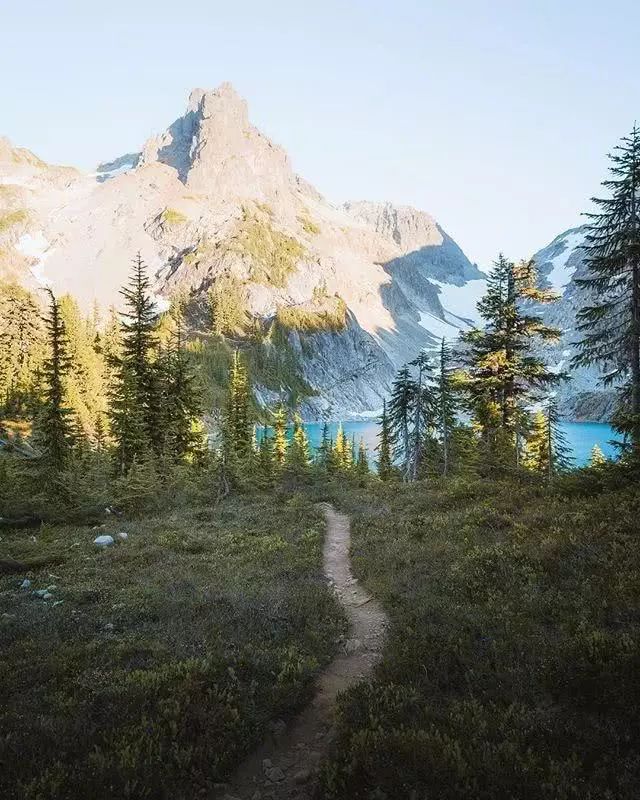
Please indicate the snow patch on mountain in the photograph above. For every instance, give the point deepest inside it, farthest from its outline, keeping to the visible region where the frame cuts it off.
(460, 301)
(36, 246)
(561, 271)
(439, 328)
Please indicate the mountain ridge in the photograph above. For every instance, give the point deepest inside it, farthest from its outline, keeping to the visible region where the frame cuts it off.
(212, 198)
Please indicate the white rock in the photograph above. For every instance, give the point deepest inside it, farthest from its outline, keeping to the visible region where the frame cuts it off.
(275, 774)
(47, 596)
(123, 536)
(104, 541)
(26, 583)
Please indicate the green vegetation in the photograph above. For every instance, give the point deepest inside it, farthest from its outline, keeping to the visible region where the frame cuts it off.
(609, 317)
(12, 218)
(158, 663)
(311, 319)
(308, 225)
(512, 663)
(274, 256)
(148, 669)
(228, 306)
(172, 217)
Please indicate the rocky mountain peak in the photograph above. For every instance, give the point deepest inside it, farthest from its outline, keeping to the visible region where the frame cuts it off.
(215, 150)
(409, 228)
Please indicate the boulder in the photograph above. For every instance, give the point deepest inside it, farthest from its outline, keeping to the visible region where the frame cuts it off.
(104, 541)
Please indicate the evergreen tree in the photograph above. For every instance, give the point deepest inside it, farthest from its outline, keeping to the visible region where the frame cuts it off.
(55, 426)
(280, 443)
(323, 455)
(298, 455)
(265, 455)
(135, 401)
(610, 319)
(362, 464)
(181, 399)
(385, 446)
(598, 458)
(22, 351)
(504, 373)
(239, 425)
(536, 450)
(401, 414)
(85, 383)
(422, 412)
(547, 451)
(560, 458)
(342, 454)
(445, 403)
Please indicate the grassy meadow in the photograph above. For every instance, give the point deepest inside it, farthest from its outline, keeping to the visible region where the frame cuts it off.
(156, 664)
(513, 663)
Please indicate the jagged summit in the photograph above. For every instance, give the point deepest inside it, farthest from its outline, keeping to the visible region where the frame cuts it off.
(215, 150)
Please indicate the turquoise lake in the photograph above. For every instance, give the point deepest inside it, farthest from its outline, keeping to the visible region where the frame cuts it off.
(581, 436)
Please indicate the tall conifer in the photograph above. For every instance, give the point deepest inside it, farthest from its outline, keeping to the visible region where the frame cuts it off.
(55, 426)
(610, 318)
(385, 446)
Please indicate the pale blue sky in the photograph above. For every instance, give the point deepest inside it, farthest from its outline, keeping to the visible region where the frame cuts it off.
(495, 116)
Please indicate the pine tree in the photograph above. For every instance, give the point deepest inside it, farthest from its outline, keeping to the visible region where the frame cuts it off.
(280, 443)
(560, 459)
(536, 449)
(239, 424)
(610, 321)
(22, 351)
(547, 451)
(85, 384)
(342, 454)
(55, 426)
(265, 455)
(598, 458)
(135, 401)
(385, 446)
(445, 404)
(503, 371)
(181, 399)
(324, 449)
(401, 413)
(422, 412)
(362, 464)
(298, 455)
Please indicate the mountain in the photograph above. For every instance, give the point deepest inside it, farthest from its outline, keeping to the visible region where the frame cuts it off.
(212, 197)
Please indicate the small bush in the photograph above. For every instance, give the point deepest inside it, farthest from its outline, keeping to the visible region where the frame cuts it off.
(309, 319)
(172, 217)
(12, 218)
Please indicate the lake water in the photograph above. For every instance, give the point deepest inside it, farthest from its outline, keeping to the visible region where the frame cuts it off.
(581, 436)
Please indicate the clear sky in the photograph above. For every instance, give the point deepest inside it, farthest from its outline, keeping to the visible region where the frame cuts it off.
(494, 115)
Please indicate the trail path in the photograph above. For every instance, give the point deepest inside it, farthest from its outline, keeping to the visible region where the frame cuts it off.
(285, 766)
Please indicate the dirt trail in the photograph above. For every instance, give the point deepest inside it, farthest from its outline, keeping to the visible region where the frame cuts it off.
(286, 765)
